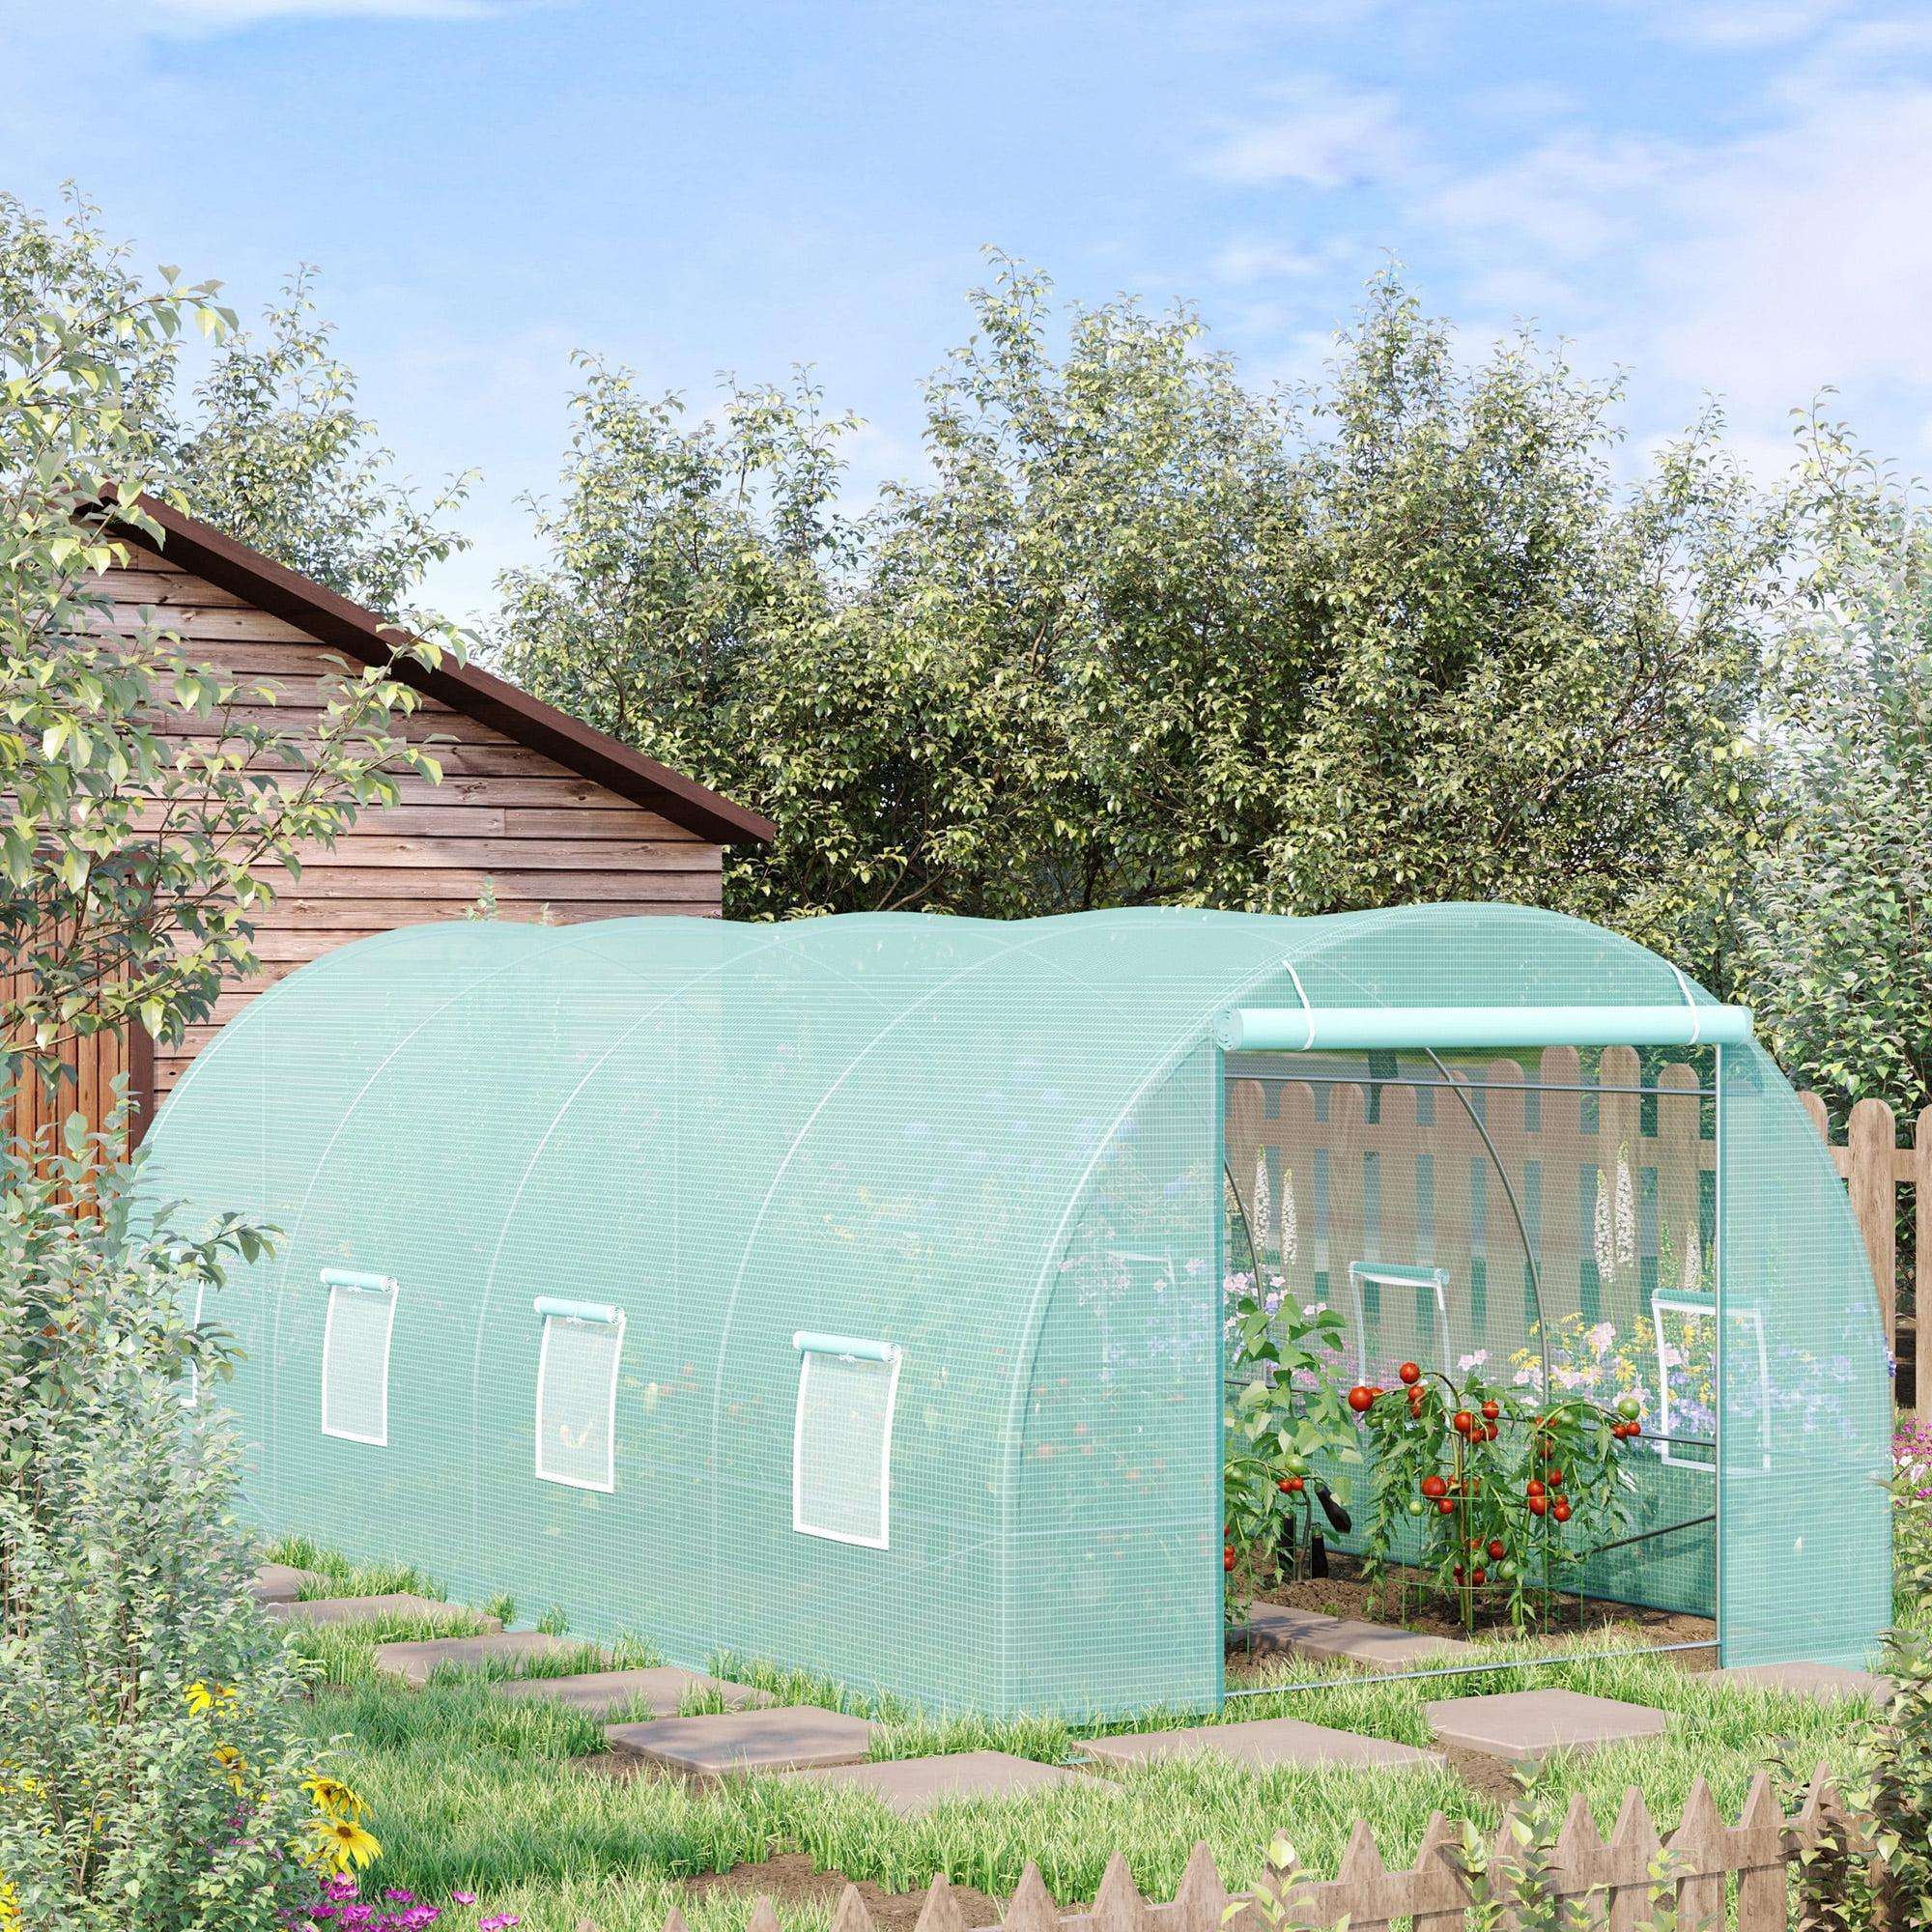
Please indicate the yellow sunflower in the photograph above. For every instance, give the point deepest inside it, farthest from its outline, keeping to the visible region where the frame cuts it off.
(329, 1795)
(344, 1842)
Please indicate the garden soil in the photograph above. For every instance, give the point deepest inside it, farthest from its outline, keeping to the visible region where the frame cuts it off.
(1343, 1594)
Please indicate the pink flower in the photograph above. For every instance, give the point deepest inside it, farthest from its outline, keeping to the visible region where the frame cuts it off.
(463, 1897)
(496, 1921)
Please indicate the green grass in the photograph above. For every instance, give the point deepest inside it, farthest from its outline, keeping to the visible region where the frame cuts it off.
(473, 1791)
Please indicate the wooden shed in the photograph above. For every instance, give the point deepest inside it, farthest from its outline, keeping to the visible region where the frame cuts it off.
(558, 822)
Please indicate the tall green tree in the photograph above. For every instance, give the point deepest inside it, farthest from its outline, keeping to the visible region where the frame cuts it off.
(1837, 936)
(1148, 635)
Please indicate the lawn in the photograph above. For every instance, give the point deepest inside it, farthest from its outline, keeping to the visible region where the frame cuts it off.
(473, 1792)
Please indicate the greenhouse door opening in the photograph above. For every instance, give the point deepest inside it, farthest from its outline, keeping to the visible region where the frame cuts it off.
(1505, 1266)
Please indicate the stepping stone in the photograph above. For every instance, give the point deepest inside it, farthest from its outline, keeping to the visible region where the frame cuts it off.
(791, 1739)
(1526, 1726)
(365, 1610)
(912, 1786)
(280, 1583)
(1311, 1633)
(416, 1661)
(1809, 1680)
(1262, 1742)
(602, 1692)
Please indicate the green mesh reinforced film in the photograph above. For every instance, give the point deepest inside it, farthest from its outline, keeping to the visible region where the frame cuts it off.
(850, 1292)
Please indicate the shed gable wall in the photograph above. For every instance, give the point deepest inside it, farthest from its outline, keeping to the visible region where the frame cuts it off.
(549, 844)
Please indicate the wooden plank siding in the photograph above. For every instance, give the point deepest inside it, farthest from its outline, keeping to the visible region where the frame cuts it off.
(548, 841)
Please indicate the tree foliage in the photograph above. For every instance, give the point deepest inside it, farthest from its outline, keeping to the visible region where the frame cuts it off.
(1146, 635)
(1837, 940)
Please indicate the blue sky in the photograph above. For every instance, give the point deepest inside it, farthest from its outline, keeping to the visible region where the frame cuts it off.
(1715, 195)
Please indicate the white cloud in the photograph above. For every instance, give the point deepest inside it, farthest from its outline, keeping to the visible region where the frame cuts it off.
(1570, 197)
(1245, 262)
(1322, 132)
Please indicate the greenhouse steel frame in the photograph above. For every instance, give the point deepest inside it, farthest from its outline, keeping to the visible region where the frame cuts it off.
(851, 1291)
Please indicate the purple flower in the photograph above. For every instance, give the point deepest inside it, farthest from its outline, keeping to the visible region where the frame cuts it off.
(463, 1897)
(496, 1921)
(401, 1897)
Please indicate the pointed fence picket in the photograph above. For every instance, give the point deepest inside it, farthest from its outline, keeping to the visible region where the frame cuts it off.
(1609, 1879)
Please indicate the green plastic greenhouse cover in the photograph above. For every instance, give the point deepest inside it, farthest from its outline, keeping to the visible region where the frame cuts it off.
(993, 1155)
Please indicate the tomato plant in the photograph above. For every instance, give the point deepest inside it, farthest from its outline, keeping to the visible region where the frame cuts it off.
(1508, 1494)
(1286, 1422)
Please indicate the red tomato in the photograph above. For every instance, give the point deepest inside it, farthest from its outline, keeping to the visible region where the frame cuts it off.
(1409, 1373)
(1495, 1549)
(1294, 1486)
(1535, 1489)
(1555, 1479)
(1228, 1560)
(1434, 1487)
(1360, 1399)
(1491, 1411)
(1633, 1429)
(1538, 1505)
(1446, 1507)
(1479, 1576)
(1459, 1572)
(1464, 1422)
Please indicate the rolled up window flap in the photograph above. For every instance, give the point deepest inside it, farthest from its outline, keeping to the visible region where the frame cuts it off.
(575, 1311)
(851, 1346)
(369, 1284)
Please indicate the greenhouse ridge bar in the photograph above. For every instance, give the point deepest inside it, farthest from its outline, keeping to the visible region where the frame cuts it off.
(851, 1291)
(1304, 1029)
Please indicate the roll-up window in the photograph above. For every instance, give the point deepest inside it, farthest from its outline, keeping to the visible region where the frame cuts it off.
(842, 1438)
(577, 1393)
(356, 1355)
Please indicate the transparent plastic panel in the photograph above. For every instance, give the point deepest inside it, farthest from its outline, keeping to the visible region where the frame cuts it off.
(1804, 1396)
(843, 1448)
(576, 1400)
(356, 1364)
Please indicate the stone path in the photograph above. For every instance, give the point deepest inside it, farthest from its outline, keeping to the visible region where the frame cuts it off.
(416, 1663)
(662, 1690)
(789, 1739)
(1526, 1726)
(1280, 1629)
(363, 1609)
(279, 1583)
(912, 1786)
(1807, 1680)
(1261, 1742)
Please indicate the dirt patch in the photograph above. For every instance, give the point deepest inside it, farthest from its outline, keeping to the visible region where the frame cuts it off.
(1343, 1594)
(789, 1879)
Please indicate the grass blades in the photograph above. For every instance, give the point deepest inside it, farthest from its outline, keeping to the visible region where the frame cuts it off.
(474, 1791)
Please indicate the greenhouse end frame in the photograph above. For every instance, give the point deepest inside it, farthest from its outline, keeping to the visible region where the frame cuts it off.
(913, 1230)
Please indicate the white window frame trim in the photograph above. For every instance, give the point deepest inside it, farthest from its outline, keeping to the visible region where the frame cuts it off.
(583, 1315)
(848, 1348)
(191, 1399)
(343, 1280)
(1679, 1303)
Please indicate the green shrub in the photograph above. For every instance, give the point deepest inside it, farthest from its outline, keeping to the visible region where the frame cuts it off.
(152, 1754)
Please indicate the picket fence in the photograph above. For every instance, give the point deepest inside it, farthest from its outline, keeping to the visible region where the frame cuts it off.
(1874, 1168)
(1609, 1880)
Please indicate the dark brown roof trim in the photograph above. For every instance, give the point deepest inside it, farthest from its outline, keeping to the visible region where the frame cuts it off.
(358, 634)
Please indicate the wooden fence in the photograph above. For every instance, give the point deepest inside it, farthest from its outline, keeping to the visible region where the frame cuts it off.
(1610, 1879)
(94, 1064)
(1875, 1167)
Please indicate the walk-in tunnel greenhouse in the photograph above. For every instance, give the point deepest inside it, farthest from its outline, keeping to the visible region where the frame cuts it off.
(852, 1293)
